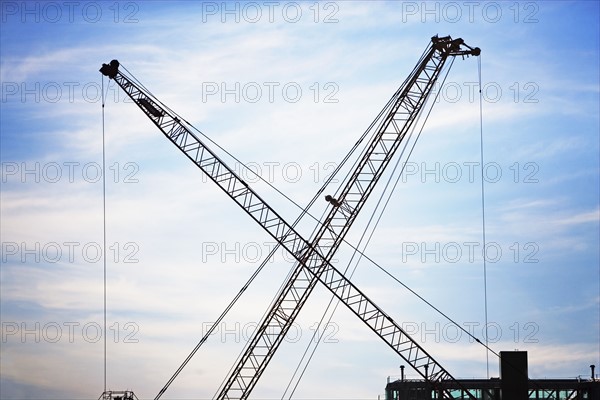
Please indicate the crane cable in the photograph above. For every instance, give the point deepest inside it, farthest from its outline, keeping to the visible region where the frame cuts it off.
(317, 339)
(487, 357)
(104, 222)
(327, 182)
(362, 255)
(304, 212)
(234, 301)
(486, 345)
(275, 248)
(383, 111)
(277, 293)
(242, 164)
(460, 327)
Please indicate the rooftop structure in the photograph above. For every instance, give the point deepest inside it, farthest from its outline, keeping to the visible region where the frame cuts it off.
(513, 384)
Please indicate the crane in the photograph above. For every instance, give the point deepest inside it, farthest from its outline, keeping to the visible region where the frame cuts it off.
(313, 256)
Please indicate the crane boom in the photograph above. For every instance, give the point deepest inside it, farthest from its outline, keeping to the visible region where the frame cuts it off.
(314, 256)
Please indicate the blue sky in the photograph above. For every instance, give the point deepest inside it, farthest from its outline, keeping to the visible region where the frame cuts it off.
(288, 88)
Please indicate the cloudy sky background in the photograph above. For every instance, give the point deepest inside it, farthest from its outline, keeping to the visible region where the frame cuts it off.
(178, 249)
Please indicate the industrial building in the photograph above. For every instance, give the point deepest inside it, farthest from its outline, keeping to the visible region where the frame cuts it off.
(513, 384)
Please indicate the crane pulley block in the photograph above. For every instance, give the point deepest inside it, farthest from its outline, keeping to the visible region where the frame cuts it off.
(111, 69)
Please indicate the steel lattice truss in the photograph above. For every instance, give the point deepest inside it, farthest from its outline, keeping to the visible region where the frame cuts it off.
(314, 256)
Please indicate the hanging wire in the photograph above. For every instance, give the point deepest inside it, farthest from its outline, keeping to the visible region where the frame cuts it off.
(214, 325)
(281, 287)
(329, 180)
(317, 339)
(250, 170)
(305, 212)
(260, 268)
(485, 302)
(104, 223)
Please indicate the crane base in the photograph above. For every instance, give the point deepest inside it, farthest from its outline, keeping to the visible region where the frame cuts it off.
(118, 395)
